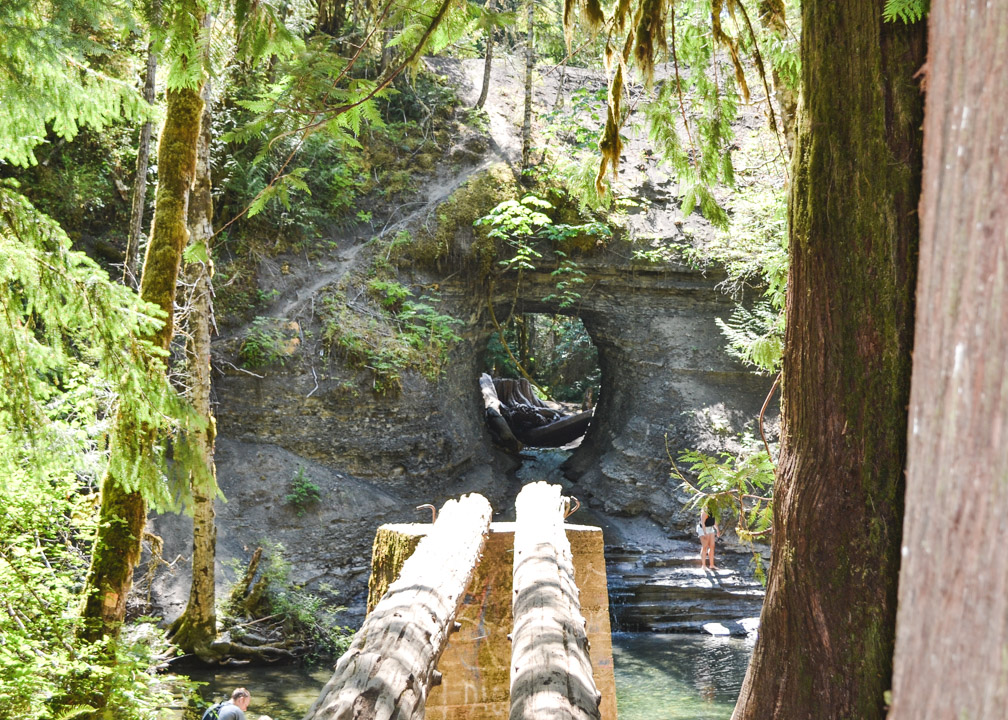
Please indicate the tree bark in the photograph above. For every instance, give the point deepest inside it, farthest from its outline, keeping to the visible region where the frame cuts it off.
(196, 628)
(828, 623)
(953, 596)
(124, 509)
(551, 672)
(487, 60)
(143, 154)
(774, 19)
(390, 665)
(529, 69)
(331, 16)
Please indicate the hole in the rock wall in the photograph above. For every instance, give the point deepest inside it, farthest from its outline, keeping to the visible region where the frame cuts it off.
(541, 382)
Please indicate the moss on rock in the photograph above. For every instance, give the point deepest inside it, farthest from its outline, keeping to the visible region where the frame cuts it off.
(452, 236)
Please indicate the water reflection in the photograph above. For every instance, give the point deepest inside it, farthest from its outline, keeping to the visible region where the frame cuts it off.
(678, 677)
(658, 677)
(282, 692)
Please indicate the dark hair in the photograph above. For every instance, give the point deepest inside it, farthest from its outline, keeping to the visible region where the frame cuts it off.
(240, 693)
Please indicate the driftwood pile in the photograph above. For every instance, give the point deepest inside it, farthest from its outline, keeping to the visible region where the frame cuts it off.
(517, 418)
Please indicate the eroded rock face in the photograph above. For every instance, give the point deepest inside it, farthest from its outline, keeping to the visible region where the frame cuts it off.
(667, 385)
(665, 381)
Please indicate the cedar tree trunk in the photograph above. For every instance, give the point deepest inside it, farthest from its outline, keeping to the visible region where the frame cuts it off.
(123, 509)
(952, 626)
(828, 623)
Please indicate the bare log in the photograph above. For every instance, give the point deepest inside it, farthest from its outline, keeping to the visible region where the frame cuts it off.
(559, 433)
(496, 423)
(489, 391)
(551, 673)
(390, 666)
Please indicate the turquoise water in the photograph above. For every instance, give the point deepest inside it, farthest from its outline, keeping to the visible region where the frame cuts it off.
(678, 677)
(658, 677)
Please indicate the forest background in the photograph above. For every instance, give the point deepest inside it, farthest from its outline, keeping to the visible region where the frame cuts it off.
(88, 401)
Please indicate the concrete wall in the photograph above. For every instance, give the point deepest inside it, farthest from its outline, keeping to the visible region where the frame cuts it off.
(476, 663)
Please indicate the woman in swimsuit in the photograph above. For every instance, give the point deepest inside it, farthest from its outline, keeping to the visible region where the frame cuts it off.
(709, 532)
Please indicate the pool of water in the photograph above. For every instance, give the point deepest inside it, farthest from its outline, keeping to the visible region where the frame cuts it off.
(658, 677)
(678, 677)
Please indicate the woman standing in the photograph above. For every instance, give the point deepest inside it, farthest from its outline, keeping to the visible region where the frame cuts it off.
(709, 531)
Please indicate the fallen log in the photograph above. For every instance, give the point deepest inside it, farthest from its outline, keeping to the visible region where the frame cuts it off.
(551, 673)
(499, 428)
(559, 433)
(390, 666)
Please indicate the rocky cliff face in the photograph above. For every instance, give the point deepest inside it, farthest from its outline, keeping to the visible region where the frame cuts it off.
(666, 385)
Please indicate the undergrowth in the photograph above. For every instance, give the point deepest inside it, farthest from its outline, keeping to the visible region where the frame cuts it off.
(386, 328)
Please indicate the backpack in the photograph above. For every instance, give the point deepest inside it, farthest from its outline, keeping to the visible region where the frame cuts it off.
(213, 712)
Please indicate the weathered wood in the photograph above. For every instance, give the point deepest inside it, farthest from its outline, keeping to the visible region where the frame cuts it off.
(390, 666)
(496, 423)
(489, 391)
(551, 673)
(559, 433)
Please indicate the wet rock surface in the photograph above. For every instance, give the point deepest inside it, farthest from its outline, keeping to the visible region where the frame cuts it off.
(667, 591)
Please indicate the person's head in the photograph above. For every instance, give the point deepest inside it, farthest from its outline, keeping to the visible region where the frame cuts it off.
(241, 697)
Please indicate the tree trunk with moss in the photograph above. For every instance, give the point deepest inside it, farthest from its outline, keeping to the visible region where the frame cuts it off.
(953, 601)
(196, 628)
(828, 622)
(487, 60)
(124, 509)
(529, 69)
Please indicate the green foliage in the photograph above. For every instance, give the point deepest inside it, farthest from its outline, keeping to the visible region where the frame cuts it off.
(302, 492)
(390, 332)
(701, 160)
(736, 485)
(571, 149)
(568, 277)
(311, 618)
(519, 223)
(74, 351)
(909, 11)
(756, 337)
(576, 123)
(390, 294)
(559, 355)
(263, 344)
(48, 517)
(49, 76)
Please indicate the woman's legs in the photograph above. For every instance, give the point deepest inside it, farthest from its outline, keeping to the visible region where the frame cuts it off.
(706, 549)
(710, 550)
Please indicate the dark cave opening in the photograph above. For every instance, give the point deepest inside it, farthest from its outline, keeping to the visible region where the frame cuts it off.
(542, 381)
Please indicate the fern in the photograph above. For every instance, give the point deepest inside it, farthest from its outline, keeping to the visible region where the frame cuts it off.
(756, 337)
(909, 11)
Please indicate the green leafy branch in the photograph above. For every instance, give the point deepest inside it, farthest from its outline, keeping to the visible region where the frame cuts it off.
(909, 11)
(739, 485)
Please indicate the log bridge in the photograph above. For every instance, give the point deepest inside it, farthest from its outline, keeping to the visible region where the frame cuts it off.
(523, 604)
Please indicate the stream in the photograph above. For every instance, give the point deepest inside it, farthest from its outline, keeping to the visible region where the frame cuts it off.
(658, 677)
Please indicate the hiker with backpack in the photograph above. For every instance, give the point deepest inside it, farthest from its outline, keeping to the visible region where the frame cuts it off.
(233, 709)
